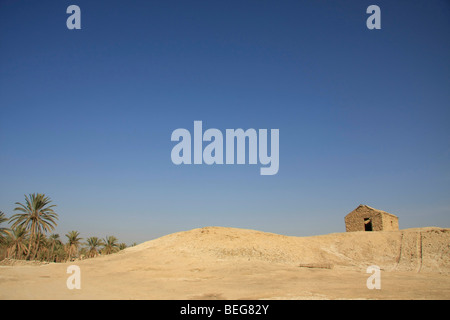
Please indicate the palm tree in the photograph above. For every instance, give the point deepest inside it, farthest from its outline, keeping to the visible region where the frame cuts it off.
(60, 253)
(110, 245)
(93, 246)
(37, 217)
(73, 243)
(43, 248)
(54, 241)
(122, 246)
(83, 253)
(17, 242)
(3, 231)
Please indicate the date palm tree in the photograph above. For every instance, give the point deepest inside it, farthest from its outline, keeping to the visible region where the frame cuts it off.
(54, 241)
(17, 242)
(43, 248)
(37, 217)
(94, 244)
(110, 245)
(3, 230)
(60, 253)
(73, 244)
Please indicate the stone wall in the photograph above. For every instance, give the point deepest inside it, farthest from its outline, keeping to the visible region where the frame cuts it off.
(390, 223)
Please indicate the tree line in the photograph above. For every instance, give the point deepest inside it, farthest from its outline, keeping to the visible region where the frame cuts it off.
(29, 237)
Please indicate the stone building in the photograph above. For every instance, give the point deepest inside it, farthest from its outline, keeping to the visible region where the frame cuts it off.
(365, 218)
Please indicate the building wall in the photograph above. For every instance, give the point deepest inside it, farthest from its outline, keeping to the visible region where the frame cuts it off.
(354, 221)
(390, 223)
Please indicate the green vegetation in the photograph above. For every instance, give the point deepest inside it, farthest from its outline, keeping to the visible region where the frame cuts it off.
(27, 239)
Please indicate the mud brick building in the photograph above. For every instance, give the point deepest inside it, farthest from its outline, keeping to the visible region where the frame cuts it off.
(365, 218)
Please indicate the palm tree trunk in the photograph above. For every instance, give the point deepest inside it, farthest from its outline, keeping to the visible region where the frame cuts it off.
(50, 252)
(36, 246)
(29, 246)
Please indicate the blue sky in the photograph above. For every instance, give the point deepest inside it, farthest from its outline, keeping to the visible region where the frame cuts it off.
(86, 115)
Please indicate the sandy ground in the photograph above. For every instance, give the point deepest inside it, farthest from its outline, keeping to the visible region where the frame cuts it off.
(228, 263)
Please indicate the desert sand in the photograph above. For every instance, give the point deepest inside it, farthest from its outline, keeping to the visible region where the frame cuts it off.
(229, 263)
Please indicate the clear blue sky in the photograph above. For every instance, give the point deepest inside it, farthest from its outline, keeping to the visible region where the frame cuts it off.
(86, 115)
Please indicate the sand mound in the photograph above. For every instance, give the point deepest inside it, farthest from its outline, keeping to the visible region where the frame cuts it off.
(228, 263)
(420, 250)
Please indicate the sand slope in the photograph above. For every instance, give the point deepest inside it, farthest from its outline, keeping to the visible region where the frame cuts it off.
(228, 263)
(424, 249)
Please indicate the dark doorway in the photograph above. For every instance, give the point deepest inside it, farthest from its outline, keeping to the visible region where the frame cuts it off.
(367, 224)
